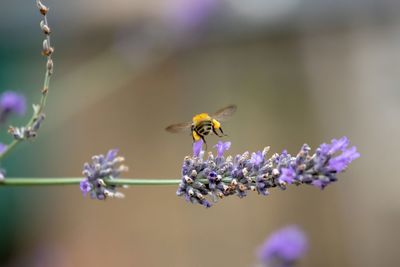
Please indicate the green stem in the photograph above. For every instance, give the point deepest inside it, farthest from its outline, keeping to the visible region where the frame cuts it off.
(76, 181)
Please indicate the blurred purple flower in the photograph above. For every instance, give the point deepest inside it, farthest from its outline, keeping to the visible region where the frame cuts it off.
(222, 147)
(11, 102)
(3, 148)
(197, 147)
(284, 247)
(190, 14)
(101, 169)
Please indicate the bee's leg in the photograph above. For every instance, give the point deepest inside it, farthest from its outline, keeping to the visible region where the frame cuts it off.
(222, 132)
(217, 134)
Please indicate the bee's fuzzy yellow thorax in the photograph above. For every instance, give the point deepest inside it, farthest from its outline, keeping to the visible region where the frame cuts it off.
(216, 124)
(196, 137)
(201, 117)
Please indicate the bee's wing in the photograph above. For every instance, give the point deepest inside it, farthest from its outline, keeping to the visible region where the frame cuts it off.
(178, 127)
(224, 113)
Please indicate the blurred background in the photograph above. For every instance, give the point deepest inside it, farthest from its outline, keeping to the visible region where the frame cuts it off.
(300, 71)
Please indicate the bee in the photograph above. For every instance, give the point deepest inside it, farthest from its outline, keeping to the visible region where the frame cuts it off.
(203, 124)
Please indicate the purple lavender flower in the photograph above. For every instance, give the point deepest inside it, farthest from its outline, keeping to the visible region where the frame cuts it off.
(328, 164)
(97, 173)
(288, 176)
(339, 163)
(220, 176)
(335, 146)
(284, 247)
(197, 148)
(257, 158)
(85, 186)
(222, 147)
(11, 102)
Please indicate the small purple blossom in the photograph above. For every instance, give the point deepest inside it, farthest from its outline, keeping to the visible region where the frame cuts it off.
(97, 173)
(218, 177)
(197, 148)
(288, 175)
(222, 147)
(257, 158)
(11, 102)
(341, 162)
(335, 146)
(85, 186)
(284, 247)
(320, 184)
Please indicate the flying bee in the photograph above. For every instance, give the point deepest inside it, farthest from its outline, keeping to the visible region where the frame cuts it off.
(203, 124)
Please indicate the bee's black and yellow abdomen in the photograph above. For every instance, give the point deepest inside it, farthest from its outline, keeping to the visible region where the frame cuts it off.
(203, 128)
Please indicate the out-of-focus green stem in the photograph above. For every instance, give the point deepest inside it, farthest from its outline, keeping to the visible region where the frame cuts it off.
(75, 181)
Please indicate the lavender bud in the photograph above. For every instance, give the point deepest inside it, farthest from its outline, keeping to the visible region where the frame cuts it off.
(45, 28)
(42, 8)
(47, 50)
(188, 180)
(97, 173)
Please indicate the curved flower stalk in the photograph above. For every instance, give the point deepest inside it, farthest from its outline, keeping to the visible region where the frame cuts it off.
(284, 247)
(219, 176)
(30, 130)
(103, 169)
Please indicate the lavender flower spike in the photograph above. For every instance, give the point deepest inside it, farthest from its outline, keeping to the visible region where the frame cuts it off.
(103, 167)
(283, 247)
(220, 176)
